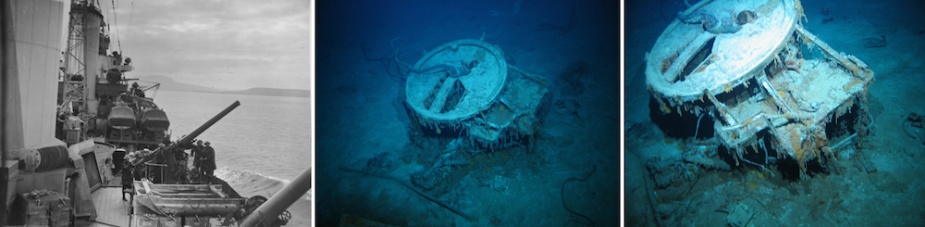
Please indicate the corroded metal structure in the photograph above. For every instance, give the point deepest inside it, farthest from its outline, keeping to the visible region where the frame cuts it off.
(467, 85)
(764, 79)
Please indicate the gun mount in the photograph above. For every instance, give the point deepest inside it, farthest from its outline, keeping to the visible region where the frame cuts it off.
(769, 86)
(187, 140)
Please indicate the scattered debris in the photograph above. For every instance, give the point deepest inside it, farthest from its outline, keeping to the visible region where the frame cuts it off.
(583, 219)
(707, 163)
(912, 126)
(862, 163)
(443, 166)
(667, 171)
(409, 186)
(429, 178)
(569, 107)
(498, 183)
(740, 216)
(875, 42)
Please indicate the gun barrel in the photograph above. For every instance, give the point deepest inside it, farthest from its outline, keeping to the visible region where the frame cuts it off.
(202, 128)
(270, 210)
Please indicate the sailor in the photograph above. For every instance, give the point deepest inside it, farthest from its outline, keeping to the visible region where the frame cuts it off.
(165, 155)
(162, 148)
(127, 179)
(137, 91)
(207, 159)
(59, 125)
(195, 154)
(106, 171)
(140, 171)
(72, 128)
(180, 155)
(116, 58)
(179, 167)
(73, 121)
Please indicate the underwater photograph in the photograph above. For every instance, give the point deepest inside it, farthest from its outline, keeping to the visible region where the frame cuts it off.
(774, 113)
(467, 113)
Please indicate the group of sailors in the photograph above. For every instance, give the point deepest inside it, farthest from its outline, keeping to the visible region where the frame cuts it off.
(114, 74)
(204, 159)
(174, 161)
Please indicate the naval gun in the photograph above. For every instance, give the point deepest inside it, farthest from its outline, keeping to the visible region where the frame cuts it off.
(273, 211)
(167, 197)
(188, 139)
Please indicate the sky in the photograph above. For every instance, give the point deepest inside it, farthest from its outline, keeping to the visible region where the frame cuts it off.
(223, 44)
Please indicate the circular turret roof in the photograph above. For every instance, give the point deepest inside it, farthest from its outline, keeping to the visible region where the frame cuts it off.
(456, 80)
(687, 59)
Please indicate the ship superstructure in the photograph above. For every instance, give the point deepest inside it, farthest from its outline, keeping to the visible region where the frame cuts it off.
(94, 87)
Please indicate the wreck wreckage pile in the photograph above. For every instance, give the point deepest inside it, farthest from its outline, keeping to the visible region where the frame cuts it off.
(467, 104)
(773, 90)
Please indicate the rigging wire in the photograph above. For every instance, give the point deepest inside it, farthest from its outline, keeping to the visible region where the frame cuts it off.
(115, 18)
(131, 16)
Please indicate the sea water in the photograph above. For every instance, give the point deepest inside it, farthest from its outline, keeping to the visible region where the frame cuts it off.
(259, 147)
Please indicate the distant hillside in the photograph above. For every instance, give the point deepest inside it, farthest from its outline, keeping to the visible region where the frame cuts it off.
(168, 84)
(273, 92)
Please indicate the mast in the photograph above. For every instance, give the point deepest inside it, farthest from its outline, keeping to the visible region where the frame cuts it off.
(82, 56)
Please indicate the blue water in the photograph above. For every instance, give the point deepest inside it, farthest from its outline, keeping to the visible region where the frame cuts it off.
(360, 115)
(890, 196)
(260, 146)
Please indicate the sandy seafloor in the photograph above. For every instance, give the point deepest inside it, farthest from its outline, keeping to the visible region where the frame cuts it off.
(891, 196)
(360, 113)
